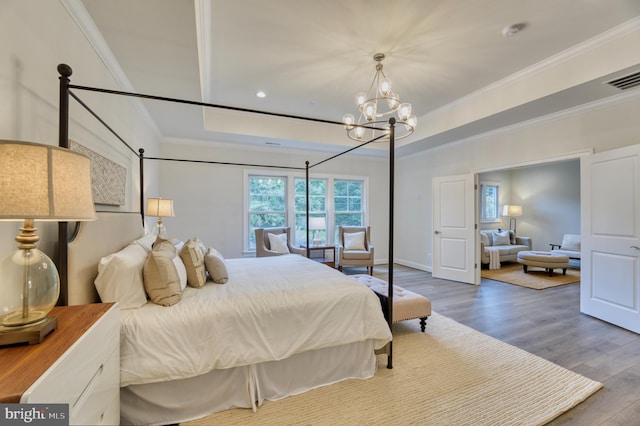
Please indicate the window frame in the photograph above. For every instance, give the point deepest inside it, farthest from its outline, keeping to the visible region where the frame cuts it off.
(290, 177)
(483, 202)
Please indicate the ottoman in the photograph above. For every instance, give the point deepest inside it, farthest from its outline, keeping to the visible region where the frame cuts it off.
(407, 305)
(543, 259)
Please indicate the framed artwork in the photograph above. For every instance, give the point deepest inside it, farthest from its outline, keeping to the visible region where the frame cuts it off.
(108, 179)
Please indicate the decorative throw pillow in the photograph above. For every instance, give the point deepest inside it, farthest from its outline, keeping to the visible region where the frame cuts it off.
(120, 277)
(217, 269)
(161, 279)
(278, 243)
(354, 241)
(501, 238)
(182, 271)
(484, 238)
(192, 255)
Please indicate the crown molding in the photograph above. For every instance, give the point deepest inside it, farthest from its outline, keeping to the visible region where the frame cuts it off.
(83, 21)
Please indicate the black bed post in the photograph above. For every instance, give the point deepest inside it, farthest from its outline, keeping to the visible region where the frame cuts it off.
(141, 176)
(392, 135)
(65, 72)
(307, 203)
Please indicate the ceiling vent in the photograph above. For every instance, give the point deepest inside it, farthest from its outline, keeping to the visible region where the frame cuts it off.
(626, 82)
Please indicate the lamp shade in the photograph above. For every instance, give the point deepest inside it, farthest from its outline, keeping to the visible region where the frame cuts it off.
(512, 210)
(159, 207)
(44, 182)
(317, 223)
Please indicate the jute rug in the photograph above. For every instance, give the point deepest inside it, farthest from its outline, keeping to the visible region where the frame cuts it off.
(536, 278)
(449, 375)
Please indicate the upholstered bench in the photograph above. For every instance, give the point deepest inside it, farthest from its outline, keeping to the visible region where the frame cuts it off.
(544, 259)
(407, 305)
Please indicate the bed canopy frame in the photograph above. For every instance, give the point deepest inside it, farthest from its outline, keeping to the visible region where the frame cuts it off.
(66, 91)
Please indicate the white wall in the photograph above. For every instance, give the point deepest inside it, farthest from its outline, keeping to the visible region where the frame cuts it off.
(599, 127)
(36, 36)
(209, 199)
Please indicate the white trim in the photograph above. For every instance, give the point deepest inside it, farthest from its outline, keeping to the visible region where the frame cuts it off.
(83, 20)
(203, 33)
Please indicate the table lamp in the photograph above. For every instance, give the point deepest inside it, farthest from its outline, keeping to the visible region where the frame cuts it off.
(316, 224)
(37, 183)
(160, 207)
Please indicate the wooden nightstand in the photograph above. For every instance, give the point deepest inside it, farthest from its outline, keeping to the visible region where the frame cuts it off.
(78, 364)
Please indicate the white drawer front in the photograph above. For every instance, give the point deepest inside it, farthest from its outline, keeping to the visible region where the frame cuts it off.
(91, 365)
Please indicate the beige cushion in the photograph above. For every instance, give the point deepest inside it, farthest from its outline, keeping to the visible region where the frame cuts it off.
(485, 238)
(161, 279)
(192, 255)
(354, 241)
(214, 263)
(279, 243)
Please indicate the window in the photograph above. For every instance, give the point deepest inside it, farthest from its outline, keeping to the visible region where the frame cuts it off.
(317, 207)
(267, 204)
(489, 202)
(348, 203)
(280, 200)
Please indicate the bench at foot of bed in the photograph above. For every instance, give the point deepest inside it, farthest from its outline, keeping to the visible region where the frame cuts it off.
(407, 305)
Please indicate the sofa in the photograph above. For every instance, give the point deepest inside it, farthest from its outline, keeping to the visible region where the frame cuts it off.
(504, 243)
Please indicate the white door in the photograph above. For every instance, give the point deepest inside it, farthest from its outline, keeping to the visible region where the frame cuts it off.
(610, 267)
(454, 228)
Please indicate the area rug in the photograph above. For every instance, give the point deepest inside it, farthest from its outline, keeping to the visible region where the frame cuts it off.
(536, 278)
(449, 375)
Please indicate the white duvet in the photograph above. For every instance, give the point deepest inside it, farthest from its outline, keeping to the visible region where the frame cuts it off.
(270, 309)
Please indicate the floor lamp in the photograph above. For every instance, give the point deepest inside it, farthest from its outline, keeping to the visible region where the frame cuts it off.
(512, 211)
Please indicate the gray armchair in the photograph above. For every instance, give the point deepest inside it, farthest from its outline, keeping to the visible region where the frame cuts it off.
(350, 256)
(263, 246)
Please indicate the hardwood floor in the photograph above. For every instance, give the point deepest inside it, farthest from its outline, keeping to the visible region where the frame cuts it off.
(547, 323)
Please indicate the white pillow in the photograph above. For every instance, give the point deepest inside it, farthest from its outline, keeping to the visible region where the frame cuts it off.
(182, 271)
(354, 240)
(278, 243)
(146, 242)
(484, 238)
(120, 277)
(501, 238)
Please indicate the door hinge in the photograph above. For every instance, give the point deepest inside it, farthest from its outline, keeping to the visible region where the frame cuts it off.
(475, 266)
(475, 226)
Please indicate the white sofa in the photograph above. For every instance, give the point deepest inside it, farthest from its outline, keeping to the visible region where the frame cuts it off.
(504, 242)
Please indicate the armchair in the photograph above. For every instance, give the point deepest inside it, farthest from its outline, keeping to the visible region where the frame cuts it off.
(354, 247)
(570, 246)
(263, 245)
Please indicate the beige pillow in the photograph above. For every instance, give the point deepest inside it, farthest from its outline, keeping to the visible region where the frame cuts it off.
(354, 240)
(192, 255)
(214, 263)
(161, 279)
(278, 243)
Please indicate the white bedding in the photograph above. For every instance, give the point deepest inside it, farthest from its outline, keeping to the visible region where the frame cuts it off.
(271, 308)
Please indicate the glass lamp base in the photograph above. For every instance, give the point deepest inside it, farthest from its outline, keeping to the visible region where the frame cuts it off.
(17, 319)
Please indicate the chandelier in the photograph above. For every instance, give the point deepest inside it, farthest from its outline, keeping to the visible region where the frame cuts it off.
(379, 101)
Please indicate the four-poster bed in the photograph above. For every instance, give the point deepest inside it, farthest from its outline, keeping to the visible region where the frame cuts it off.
(224, 384)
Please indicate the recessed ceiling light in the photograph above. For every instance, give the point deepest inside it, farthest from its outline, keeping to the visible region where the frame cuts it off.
(261, 94)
